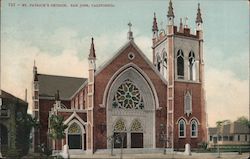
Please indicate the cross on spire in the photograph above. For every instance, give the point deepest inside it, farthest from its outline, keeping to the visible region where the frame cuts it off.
(130, 33)
(129, 25)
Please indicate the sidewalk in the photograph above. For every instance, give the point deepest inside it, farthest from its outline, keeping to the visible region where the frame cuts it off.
(167, 156)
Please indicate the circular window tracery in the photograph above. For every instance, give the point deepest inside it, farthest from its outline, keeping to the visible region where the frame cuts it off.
(128, 97)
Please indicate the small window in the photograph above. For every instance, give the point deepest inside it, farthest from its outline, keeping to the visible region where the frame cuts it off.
(191, 59)
(210, 138)
(182, 128)
(231, 138)
(180, 64)
(238, 137)
(245, 137)
(188, 104)
(194, 128)
(158, 62)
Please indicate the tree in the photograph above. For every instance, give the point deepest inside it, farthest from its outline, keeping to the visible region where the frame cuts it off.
(24, 125)
(244, 121)
(219, 125)
(57, 127)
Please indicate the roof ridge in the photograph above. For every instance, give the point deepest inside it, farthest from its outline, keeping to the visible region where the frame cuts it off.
(60, 76)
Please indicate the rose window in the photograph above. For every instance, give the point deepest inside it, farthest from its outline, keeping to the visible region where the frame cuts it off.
(128, 97)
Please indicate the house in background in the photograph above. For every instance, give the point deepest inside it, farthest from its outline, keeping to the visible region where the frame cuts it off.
(11, 109)
(233, 134)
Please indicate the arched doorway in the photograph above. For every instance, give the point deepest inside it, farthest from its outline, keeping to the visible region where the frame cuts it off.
(130, 97)
(120, 134)
(75, 137)
(3, 135)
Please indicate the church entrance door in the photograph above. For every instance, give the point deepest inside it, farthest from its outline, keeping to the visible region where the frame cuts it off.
(75, 141)
(136, 140)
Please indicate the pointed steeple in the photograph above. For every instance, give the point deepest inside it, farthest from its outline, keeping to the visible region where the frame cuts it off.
(170, 10)
(35, 71)
(198, 17)
(130, 33)
(92, 50)
(155, 27)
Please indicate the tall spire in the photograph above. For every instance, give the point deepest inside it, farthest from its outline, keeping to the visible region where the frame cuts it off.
(130, 33)
(92, 50)
(155, 27)
(35, 71)
(198, 17)
(170, 10)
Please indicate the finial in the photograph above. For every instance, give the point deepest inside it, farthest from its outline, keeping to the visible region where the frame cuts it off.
(57, 95)
(92, 50)
(186, 22)
(130, 33)
(170, 10)
(155, 27)
(180, 21)
(198, 17)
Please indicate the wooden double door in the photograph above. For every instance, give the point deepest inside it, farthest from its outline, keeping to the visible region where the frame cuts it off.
(136, 140)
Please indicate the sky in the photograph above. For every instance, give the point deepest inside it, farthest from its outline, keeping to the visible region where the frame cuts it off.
(57, 35)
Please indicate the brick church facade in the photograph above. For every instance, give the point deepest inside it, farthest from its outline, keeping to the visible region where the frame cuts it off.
(145, 104)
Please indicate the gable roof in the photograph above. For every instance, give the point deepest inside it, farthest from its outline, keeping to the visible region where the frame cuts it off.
(230, 129)
(49, 84)
(131, 42)
(6, 95)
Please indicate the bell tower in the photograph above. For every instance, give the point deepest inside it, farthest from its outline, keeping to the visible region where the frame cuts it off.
(180, 53)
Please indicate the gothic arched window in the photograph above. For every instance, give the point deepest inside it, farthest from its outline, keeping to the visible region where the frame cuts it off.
(128, 96)
(180, 64)
(158, 58)
(188, 104)
(191, 59)
(165, 62)
(182, 128)
(194, 128)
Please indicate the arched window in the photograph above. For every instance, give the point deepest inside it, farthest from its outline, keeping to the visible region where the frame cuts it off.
(180, 64)
(165, 62)
(188, 103)
(75, 136)
(182, 128)
(128, 96)
(194, 128)
(158, 58)
(191, 59)
(120, 134)
(136, 134)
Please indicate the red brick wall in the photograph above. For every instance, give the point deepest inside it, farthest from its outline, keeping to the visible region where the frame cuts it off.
(45, 106)
(197, 111)
(101, 81)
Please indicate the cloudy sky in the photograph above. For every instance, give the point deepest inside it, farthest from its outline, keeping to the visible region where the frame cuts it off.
(57, 35)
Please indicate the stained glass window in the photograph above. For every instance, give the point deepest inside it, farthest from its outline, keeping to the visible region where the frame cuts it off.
(136, 126)
(128, 96)
(194, 128)
(182, 128)
(74, 129)
(119, 126)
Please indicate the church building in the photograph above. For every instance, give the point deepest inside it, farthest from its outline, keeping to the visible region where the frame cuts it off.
(130, 99)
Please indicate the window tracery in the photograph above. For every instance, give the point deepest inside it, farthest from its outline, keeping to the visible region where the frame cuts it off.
(128, 97)
(119, 126)
(74, 129)
(136, 126)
